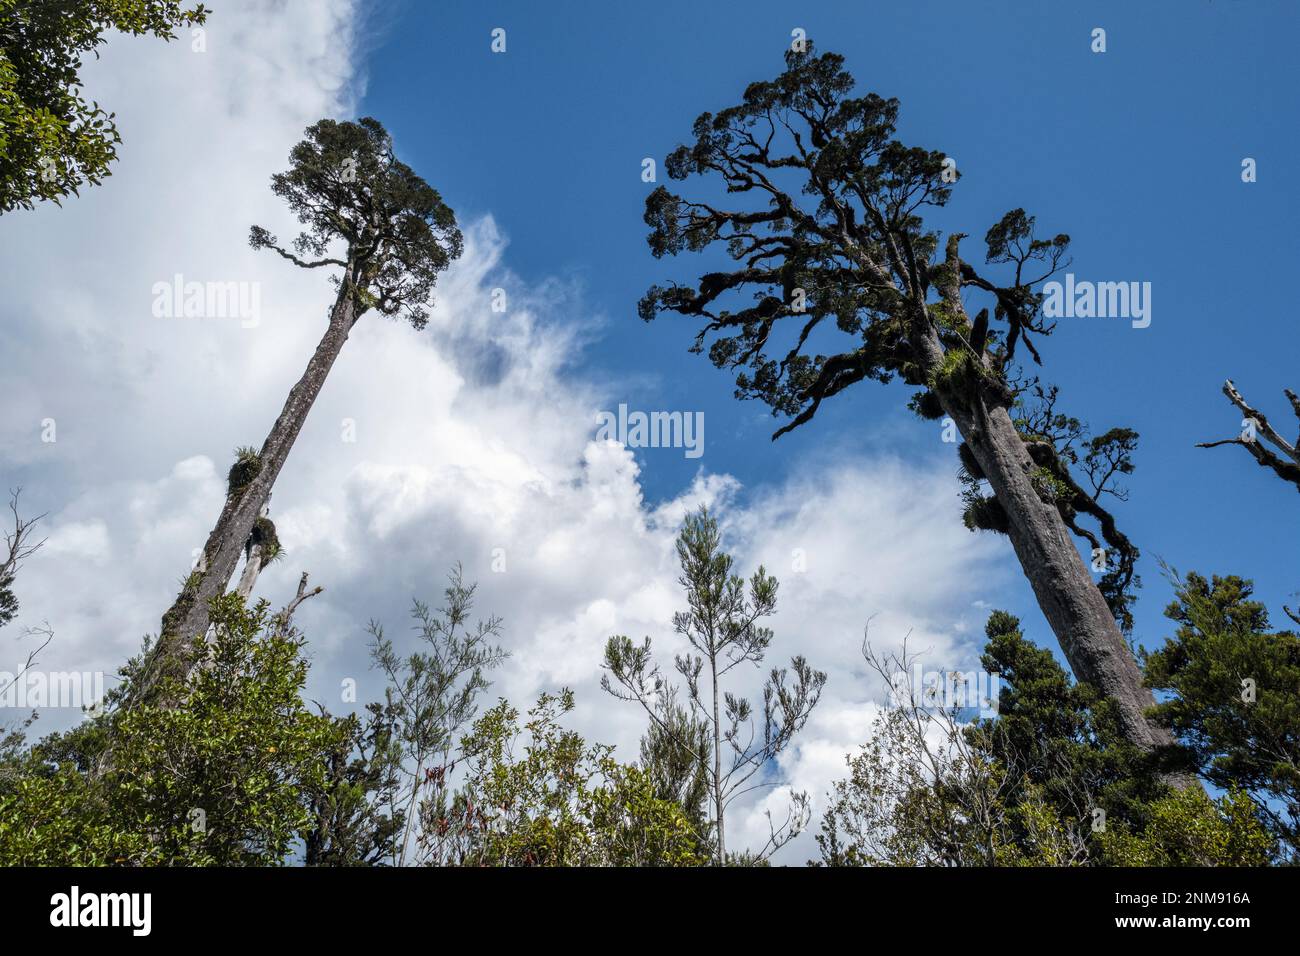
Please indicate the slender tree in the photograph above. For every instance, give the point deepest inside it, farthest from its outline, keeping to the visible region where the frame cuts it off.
(821, 214)
(53, 140)
(722, 626)
(368, 215)
(17, 548)
(432, 697)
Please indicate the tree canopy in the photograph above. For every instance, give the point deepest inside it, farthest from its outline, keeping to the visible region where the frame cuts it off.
(346, 185)
(52, 139)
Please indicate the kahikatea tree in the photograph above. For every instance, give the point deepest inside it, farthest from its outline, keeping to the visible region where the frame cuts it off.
(389, 233)
(827, 236)
(52, 140)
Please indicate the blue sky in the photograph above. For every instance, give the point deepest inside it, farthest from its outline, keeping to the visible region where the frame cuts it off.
(1135, 153)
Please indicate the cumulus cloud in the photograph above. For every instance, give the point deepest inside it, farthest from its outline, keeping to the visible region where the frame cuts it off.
(472, 441)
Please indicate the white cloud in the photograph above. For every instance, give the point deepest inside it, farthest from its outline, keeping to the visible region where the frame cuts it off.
(473, 435)
(87, 540)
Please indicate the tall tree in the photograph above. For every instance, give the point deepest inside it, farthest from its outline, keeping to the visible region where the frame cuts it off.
(52, 140)
(389, 233)
(827, 235)
(722, 626)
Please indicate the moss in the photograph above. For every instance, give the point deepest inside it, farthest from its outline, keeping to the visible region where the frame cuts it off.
(247, 466)
(184, 601)
(947, 317)
(952, 373)
(1049, 486)
(942, 276)
(969, 463)
(986, 514)
(926, 404)
(264, 536)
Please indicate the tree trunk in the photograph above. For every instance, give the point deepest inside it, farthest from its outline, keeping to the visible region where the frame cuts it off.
(1074, 607)
(1064, 588)
(252, 568)
(720, 808)
(184, 625)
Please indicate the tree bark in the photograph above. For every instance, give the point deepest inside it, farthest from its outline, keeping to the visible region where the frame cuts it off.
(718, 803)
(1074, 607)
(252, 568)
(186, 622)
(1069, 598)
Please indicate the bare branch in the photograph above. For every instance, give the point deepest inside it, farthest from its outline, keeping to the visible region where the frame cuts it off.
(285, 617)
(1286, 465)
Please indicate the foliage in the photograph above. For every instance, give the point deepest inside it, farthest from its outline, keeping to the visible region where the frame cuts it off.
(908, 802)
(431, 698)
(1050, 781)
(8, 600)
(357, 813)
(545, 797)
(926, 791)
(827, 237)
(1061, 737)
(219, 779)
(1233, 701)
(346, 185)
(675, 753)
(52, 140)
(1188, 828)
